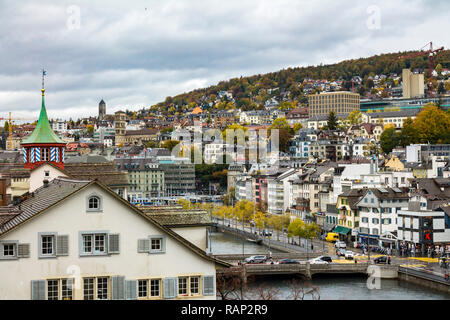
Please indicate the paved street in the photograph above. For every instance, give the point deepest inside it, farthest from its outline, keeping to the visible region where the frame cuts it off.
(327, 248)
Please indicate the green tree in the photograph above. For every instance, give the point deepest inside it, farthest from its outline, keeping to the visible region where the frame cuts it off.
(6, 126)
(389, 139)
(408, 134)
(332, 121)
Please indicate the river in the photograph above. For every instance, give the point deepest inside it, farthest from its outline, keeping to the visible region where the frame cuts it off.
(330, 287)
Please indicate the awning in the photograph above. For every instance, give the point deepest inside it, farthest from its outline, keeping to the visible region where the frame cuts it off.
(328, 227)
(342, 230)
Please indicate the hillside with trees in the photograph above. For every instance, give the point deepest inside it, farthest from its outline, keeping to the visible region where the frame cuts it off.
(290, 86)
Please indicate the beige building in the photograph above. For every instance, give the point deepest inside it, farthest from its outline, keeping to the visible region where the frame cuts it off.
(120, 124)
(341, 102)
(412, 84)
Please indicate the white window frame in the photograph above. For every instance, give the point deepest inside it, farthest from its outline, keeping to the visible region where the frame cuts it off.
(145, 283)
(53, 236)
(15, 246)
(162, 244)
(159, 282)
(189, 292)
(64, 290)
(93, 251)
(99, 208)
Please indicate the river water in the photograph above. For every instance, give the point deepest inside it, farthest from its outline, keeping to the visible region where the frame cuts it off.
(330, 287)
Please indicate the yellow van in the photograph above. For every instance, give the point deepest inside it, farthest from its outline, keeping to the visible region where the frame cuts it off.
(332, 237)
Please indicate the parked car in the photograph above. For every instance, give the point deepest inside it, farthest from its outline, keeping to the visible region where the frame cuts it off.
(266, 233)
(340, 244)
(256, 259)
(289, 261)
(321, 260)
(381, 260)
(348, 255)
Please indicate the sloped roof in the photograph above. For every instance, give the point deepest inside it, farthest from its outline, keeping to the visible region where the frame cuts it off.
(60, 189)
(106, 173)
(179, 217)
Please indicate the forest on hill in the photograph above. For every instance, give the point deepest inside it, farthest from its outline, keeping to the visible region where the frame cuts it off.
(289, 87)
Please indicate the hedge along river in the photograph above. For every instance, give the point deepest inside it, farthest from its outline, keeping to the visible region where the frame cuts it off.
(330, 287)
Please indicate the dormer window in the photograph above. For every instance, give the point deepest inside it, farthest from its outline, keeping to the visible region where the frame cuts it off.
(94, 203)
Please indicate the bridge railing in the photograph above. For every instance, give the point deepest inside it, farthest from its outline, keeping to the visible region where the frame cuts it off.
(425, 274)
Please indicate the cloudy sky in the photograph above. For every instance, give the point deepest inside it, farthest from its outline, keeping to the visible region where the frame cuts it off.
(133, 54)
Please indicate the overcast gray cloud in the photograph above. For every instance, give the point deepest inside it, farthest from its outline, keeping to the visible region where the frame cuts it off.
(135, 53)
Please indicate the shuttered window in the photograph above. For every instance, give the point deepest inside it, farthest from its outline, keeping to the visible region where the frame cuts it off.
(38, 290)
(52, 289)
(208, 286)
(23, 250)
(143, 245)
(170, 287)
(118, 287)
(94, 243)
(62, 245)
(131, 290)
(114, 243)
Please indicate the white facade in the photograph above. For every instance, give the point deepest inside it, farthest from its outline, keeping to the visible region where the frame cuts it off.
(70, 217)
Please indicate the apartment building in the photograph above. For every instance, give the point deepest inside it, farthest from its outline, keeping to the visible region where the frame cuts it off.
(340, 102)
(378, 210)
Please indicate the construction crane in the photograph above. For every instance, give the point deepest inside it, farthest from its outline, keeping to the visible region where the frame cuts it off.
(432, 54)
(10, 125)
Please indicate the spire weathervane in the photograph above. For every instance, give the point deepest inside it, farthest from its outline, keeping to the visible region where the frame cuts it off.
(44, 73)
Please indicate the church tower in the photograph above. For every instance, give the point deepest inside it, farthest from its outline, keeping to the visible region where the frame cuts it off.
(101, 110)
(43, 145)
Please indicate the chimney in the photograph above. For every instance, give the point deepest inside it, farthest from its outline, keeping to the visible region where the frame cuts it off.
(3, 200)
(45, 183)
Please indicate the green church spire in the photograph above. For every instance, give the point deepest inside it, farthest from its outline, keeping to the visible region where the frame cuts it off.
(43, 132)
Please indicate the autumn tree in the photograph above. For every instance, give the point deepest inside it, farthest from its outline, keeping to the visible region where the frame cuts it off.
(355, 117)
(432, 125)
(297, 126)
(296, 229)
(169, 144)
